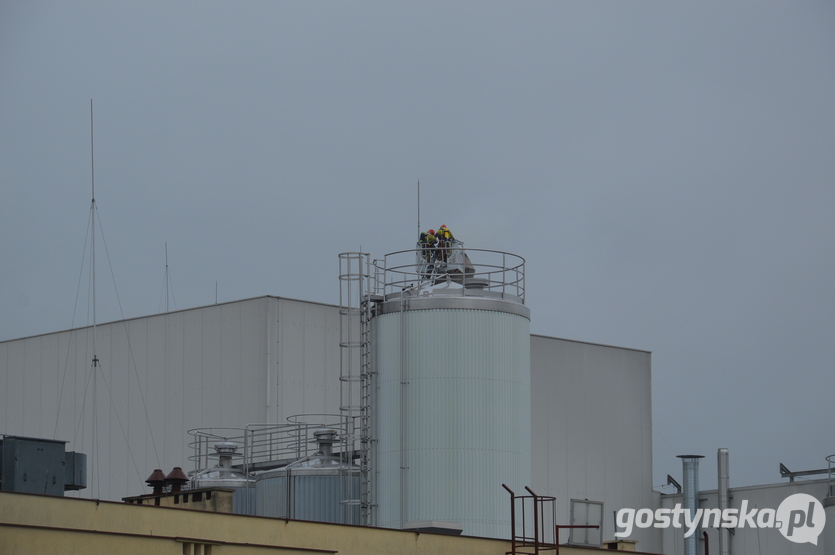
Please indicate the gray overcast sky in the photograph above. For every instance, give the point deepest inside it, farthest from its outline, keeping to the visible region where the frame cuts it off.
(666, 169)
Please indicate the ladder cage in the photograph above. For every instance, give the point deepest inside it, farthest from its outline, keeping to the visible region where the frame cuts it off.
(356, 288)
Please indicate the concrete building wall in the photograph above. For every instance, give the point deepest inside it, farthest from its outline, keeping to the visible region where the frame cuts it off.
(82, 526)
(592, 428)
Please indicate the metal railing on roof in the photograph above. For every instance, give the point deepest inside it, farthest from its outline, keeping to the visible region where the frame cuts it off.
(461, 271)
(262, 446)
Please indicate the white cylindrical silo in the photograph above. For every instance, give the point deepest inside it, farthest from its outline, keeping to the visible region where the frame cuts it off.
(452, 408)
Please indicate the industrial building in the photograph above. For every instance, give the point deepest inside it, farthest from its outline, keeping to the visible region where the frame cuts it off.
(424, 382)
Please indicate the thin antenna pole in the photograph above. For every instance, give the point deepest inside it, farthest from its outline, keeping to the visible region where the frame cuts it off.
(418, 207)
(93, 234)
(92, 160)
(93, 223)
(93, 275)
(166, 276)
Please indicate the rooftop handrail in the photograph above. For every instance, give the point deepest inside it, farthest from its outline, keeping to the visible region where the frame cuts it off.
(262, 443)
(426, 267)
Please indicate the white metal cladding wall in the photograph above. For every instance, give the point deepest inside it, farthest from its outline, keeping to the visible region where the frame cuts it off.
(460, 426)
(592, 420)
(228, 365)
(307, 360)
(199, 367)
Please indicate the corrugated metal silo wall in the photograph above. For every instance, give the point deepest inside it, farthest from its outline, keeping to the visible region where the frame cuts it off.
(453, 414)
(314, 497)
(243, 501)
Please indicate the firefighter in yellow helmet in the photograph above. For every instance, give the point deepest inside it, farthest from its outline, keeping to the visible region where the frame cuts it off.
(427, 243)
(445, 239)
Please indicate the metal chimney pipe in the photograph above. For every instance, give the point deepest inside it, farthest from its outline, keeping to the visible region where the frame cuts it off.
(226, 450)
(690, 466)
(325, 438)
(723, 467)
(176, 479)
(156, 480)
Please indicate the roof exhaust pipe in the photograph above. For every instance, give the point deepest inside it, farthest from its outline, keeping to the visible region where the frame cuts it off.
(690, 464)
(724, 486)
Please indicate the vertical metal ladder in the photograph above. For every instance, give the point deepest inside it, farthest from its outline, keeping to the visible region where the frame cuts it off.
(356, 378)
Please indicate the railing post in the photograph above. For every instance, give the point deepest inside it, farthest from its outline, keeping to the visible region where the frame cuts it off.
(512, 518)
(504, 278)
(536, 517)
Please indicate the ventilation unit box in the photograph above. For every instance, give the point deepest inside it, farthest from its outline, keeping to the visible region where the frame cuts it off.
(75, 470)
(31, 465)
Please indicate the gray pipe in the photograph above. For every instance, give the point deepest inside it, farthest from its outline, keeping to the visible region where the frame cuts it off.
(724, 485)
